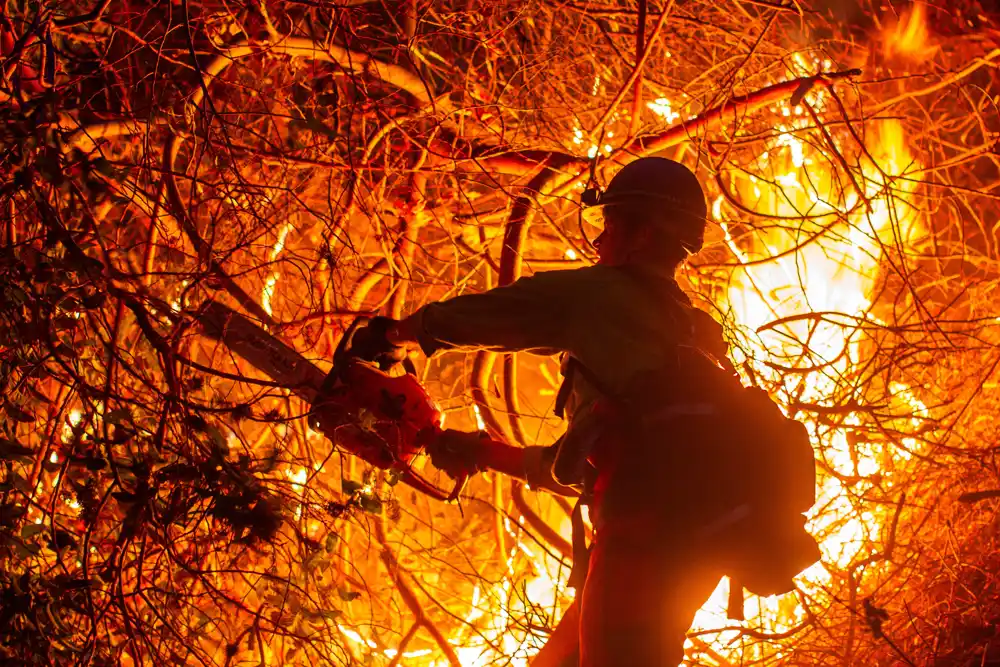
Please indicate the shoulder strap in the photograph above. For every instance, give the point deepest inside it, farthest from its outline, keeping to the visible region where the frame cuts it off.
(574, 366)
(565, 388)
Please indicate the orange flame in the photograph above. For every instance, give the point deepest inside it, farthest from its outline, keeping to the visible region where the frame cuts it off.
(818, 258)
(909, 38)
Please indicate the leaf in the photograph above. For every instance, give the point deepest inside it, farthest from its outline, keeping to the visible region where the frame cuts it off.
(73, 583)
(92, 301)
(331, 542)
(316, 560)
(63, 349)
(318, 126)
(350, 487)
(197, 422)
(347, 595)
(800, 92)
(16, 294)
(12, 451)
(17, 413)
(393, 510)
(20, 483)
(371, 504)
(118, 415)
(94, 463)
(62, 539)
(103, 166)
(301, 94)
(25, 550)
(124, 497)
(219, 439)
(65, 322)
(31, 529)
(320, 617)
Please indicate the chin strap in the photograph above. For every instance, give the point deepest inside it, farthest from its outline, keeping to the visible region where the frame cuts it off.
(581, 552)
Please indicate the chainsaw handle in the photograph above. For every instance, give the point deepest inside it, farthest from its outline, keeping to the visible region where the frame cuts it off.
(344, 354)
(414, 480)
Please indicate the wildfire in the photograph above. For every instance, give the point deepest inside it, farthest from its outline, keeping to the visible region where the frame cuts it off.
(821, 255)
(661, 107)
(164, 502)
(267, 293)
(909, 38)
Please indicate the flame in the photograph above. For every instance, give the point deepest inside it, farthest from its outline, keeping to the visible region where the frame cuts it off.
(480, 424)
(533, 587)
(910, 37)
(820, 255)
(848, 223)
(267, 293)
(661, 107)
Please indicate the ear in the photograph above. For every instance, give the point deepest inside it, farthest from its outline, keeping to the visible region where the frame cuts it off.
(645, 236)
(638, 242)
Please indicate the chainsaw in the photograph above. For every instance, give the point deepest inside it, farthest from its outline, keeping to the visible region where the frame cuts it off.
(385, 420)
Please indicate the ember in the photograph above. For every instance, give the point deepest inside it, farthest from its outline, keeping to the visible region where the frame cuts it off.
(165, 502)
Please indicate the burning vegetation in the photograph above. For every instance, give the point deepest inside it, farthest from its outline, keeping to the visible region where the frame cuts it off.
(162, 502)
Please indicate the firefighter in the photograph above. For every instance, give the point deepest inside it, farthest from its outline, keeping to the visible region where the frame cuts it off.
(651, 566)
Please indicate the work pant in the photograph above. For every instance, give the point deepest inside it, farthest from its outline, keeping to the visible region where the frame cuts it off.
(652, 565)
(643, 589)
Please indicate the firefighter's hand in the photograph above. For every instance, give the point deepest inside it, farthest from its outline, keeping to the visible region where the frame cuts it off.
(371, 343)
(457, 452)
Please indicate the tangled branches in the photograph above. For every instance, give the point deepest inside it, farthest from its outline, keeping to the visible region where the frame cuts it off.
(162, 502)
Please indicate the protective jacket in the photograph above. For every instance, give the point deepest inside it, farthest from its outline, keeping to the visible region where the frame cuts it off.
(617, 323)
(642, 588)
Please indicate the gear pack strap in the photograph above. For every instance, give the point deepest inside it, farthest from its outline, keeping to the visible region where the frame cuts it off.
(574, 366)
(581, 551)
(565, 389)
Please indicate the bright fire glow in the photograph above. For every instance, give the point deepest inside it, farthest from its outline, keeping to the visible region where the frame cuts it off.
(910, 37)
(480, 424)
(267, 293)
(816, 271)
(820, 251)
(661, 107)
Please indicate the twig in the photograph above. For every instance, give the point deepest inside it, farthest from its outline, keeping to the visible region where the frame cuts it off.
(634, 79)
(180, 211)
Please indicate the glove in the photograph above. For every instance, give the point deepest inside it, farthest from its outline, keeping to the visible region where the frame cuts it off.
(457, 453)
(370, 343)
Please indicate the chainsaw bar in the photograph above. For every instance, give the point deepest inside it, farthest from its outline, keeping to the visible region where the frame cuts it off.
(287, 367)
(263, 351)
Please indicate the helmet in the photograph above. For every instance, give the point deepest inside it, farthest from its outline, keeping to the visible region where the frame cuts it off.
(667, 187)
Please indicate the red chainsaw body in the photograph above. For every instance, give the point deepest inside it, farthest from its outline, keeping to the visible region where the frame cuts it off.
(386, 420)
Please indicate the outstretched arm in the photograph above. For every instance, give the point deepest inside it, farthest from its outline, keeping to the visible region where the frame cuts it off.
(531, 314)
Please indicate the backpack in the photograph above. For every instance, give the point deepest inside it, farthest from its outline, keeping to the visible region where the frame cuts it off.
(762, 459)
